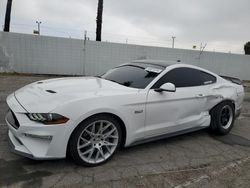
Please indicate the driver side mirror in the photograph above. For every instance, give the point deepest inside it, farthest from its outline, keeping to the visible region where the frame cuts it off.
(169, 87)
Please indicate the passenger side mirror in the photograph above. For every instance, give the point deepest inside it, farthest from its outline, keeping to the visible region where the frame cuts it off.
(169, 87)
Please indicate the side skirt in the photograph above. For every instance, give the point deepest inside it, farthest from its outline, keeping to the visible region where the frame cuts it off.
(143, 141)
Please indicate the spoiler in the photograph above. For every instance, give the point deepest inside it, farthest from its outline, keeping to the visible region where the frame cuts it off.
(231, 79)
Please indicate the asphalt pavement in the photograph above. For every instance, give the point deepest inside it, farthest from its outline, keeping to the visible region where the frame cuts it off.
(198, 159)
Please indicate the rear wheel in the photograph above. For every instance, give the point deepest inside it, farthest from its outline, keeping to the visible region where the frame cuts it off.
(95, 140)
(222, 118)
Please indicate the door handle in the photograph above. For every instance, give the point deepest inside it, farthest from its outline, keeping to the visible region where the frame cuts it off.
(200, 95)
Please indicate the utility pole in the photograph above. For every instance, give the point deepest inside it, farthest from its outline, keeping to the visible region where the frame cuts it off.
(99, 21)
(38, 26)
(85, 35)
(173, 38)
(7, 16)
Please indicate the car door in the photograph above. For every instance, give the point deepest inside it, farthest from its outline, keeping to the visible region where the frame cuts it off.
(168, 112)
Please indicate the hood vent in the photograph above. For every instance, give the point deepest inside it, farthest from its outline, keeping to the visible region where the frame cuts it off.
(50, 91)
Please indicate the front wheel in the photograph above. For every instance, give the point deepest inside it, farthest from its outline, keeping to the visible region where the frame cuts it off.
(222, 118)
(95, 140)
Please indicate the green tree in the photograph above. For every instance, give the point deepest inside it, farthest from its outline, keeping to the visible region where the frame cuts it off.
(99, 21)
(247, 48)
(7, 16)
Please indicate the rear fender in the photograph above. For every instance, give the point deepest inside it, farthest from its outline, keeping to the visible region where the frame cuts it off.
(220, 93)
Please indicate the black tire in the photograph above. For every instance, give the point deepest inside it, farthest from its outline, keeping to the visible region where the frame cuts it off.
(218, 123)
(73, 143)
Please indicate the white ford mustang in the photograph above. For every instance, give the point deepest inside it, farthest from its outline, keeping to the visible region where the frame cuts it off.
(91, 117)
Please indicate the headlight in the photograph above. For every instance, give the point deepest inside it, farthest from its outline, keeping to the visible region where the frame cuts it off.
(47, 118)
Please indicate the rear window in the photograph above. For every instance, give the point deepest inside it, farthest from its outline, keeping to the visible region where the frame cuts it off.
(207, 78)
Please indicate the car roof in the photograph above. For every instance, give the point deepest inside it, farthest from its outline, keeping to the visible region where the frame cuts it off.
(160, 63)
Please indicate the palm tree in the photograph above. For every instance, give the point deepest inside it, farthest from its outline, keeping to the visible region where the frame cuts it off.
(247, 48)
(7, 16)
(99, 21)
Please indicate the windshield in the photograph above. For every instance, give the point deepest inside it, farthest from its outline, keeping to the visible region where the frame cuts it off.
(132, 75)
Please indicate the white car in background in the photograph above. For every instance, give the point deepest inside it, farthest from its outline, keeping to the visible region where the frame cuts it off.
(91, 117)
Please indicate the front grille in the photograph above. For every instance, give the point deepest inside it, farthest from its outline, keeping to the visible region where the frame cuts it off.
(12, 120)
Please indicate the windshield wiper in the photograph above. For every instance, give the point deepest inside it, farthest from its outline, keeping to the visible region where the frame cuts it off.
(113, 81)
(123, 84)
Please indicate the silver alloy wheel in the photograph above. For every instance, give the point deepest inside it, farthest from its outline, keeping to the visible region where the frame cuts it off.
(226, 116)
(98, 141)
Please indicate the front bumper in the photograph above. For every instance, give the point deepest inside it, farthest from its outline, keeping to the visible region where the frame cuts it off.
(35, 140)
(13, 143)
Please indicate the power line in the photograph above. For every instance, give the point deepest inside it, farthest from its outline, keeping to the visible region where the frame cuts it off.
(131, 39)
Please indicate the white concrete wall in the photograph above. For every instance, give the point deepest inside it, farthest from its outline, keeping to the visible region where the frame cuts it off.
(51, 55)
(39, 54)
(102, 56)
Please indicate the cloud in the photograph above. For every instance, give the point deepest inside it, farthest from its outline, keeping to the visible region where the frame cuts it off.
(223, 24)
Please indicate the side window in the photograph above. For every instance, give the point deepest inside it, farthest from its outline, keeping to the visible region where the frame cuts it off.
(207, 78)
(182, 77)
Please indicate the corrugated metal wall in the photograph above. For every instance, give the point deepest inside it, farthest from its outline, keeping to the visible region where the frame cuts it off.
(50, 55)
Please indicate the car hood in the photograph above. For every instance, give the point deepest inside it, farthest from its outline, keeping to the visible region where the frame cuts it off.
(44, 96)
